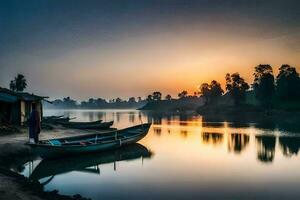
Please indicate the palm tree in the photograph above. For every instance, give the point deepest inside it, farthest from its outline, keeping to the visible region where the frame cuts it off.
(156, 96)
(168, 97)
(19, 83)
(183, 94)
(12, 85)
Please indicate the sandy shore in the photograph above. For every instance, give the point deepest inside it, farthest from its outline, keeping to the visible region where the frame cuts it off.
(14, 150)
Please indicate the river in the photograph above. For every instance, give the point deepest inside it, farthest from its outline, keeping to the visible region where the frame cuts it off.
(183, 156)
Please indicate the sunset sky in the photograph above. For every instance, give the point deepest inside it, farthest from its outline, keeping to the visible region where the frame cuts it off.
(128, 48)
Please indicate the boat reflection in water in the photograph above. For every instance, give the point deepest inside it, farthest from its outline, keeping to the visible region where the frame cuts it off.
(87, 162)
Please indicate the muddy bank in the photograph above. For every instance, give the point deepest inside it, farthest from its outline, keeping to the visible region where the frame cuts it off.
(16, 187)
(13, 154)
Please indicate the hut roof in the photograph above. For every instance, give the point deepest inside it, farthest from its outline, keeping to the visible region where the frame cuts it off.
(11, 96)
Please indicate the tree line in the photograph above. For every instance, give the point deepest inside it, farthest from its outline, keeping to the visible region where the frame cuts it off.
(94, 103)
(267, 88)
(285, 87)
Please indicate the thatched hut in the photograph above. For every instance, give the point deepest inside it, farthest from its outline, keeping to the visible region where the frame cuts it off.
(15, 107)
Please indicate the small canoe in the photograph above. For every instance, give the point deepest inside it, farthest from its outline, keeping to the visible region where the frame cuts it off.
(55, 166)
(57, 120)
(91, 142)
(82, 123)
(52, 117)
(88, 125)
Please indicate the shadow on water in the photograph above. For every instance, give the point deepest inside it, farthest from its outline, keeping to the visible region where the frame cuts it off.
(289, 145)
(279, 122)
(212, 138)
(237, 142)
(89, 163)
(265, 148)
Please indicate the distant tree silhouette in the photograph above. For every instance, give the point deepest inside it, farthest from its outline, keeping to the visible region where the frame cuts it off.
(91, 102)
(19, 83)
(211, 92)
(204, 91)
(149, 98)
(236, 87)
(156, 96)
(183, 94)
(131, 100)
(69, 103)
(168, 97)
(263, 85)
(288, 83)
(100, 102)
(119, 100)
(216, 91)
(139, 99)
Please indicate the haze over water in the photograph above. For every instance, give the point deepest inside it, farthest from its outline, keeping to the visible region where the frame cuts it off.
(183, 156)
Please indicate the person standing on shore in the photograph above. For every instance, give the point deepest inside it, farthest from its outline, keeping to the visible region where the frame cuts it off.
(34, 125)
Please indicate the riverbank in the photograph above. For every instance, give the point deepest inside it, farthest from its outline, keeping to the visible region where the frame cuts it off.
(174, 105)
(13, 154)
(282, 120)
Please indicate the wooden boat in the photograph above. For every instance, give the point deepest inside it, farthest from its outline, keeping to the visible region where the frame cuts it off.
(84, 163)
(88, 125)
(56, 120)
(91, 142)
(52, 117)
(81, 123)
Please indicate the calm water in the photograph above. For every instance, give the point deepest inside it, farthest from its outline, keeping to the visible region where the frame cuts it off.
(183, 156)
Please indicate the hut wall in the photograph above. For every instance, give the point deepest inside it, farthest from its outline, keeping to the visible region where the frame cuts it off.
(16, 113)
(23, 112)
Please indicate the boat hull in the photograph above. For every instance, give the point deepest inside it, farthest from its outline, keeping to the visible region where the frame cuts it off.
(94, 125)
(56, 150)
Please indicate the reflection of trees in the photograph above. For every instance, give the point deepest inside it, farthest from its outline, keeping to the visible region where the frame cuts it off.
(131, 117)
(183, 120)
(212, 138)
(169, 118)
(183, 123)
(91, 116)
(237, 142)
(101, 115)
(213, 124)
(238, 124)
(265, 148)
(266, 124)
(157, 131)
(157, 120)
(289, 145)
(184, 133)
(118, 115)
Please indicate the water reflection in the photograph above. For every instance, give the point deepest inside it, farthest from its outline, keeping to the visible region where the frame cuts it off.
(195, 156)
(289, 145)
(88, 163)
(266, 148)
(237, 142)
(212, 138)
(157, 131)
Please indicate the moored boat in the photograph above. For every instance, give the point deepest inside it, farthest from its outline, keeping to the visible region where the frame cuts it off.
(91, 142)
(56, 119)
(88, 125)
(52, 117)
